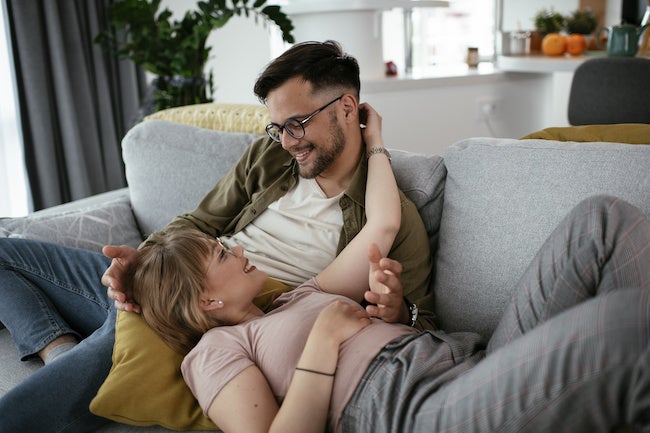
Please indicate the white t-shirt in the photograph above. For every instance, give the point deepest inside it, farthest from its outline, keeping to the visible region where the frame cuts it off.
(296, 237)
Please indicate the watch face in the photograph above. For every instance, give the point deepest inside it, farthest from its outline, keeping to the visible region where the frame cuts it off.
(413, 309)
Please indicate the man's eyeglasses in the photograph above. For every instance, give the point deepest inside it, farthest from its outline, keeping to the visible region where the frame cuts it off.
(295, 127)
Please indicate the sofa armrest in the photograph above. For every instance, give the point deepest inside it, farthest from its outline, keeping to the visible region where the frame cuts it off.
(88, 223)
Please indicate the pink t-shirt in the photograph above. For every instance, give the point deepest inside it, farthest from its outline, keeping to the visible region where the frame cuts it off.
(275, 342)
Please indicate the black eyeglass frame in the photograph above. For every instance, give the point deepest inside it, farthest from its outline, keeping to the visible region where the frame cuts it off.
(294, 123)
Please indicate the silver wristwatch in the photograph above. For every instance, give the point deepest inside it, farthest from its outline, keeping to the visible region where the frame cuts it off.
(413, 311)
(375, 150)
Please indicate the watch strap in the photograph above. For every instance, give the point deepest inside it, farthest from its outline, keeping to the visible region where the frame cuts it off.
(413, 311)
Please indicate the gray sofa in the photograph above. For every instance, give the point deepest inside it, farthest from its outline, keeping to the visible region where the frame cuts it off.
(487, 206)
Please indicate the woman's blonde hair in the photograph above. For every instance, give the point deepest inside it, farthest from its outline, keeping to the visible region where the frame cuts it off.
(170, 277)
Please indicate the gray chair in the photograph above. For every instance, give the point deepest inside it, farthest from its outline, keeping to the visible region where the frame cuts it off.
(610, 90)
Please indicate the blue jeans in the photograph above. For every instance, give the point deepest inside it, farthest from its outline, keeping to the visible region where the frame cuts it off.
(47, 291)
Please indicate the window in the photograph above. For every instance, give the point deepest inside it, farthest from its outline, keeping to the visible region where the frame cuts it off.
(440, 36)
(13, 184)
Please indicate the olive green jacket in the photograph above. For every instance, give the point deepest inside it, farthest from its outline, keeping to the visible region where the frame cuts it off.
(265, 172)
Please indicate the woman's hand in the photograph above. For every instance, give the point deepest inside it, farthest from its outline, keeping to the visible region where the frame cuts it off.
(340, 320)
(119, 277)
(372, 132)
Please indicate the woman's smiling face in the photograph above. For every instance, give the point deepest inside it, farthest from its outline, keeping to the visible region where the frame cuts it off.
(230, 278)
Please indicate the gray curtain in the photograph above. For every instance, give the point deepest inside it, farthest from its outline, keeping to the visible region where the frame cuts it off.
(76, 102)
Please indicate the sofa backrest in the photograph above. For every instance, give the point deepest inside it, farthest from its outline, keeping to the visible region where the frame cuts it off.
(487, 207)
(171, 166)
(502, 199)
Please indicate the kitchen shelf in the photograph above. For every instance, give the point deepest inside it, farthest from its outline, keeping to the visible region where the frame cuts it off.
(544, 64)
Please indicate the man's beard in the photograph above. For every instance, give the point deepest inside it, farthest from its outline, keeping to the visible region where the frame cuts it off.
(326, 156)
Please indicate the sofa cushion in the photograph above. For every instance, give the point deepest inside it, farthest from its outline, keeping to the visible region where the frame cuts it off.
(502, 198)
(90, 227)
(220, 116)
(631, 133)
(170, 167)
(145, 386)
(422, 179)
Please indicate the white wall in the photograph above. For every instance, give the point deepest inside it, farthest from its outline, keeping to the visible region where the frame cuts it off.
(240, 50)
(425, 119)
(428, 120)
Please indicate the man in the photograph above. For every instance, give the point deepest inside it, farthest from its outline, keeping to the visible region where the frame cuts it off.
(52, 298)
(321, 140)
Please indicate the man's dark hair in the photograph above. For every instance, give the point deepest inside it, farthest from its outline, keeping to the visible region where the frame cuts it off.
(323, 64)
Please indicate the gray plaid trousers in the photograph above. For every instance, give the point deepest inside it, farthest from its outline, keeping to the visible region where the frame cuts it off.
(571, 353)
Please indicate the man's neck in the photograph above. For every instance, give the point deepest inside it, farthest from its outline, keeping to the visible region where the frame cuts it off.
(336, 179)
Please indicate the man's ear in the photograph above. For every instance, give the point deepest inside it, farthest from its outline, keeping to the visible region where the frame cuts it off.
(350, 106)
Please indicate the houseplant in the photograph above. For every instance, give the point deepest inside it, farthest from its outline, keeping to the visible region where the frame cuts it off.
(545, 21)
(581, 21)
(175, 50)
(549, 21)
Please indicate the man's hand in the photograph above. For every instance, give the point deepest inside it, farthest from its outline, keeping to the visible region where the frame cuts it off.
(119, 277)
(386, 290)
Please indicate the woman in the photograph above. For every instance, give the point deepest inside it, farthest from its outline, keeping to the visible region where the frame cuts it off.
(572, 350)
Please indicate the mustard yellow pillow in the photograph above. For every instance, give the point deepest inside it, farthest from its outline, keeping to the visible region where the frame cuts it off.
(145, 386)
(630, 133)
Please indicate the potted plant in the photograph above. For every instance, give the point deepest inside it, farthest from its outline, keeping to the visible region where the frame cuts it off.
(545, 21)
(549, 21)
(583, 22)
(175, 50)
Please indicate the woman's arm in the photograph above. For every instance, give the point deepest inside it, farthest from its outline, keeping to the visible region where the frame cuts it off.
(247, 403)
(348, 274)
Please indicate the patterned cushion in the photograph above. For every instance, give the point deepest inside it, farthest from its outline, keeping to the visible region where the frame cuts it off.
(87, 227)
(248, 118)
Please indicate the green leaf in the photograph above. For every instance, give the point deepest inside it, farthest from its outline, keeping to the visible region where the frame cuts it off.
(167, 47)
